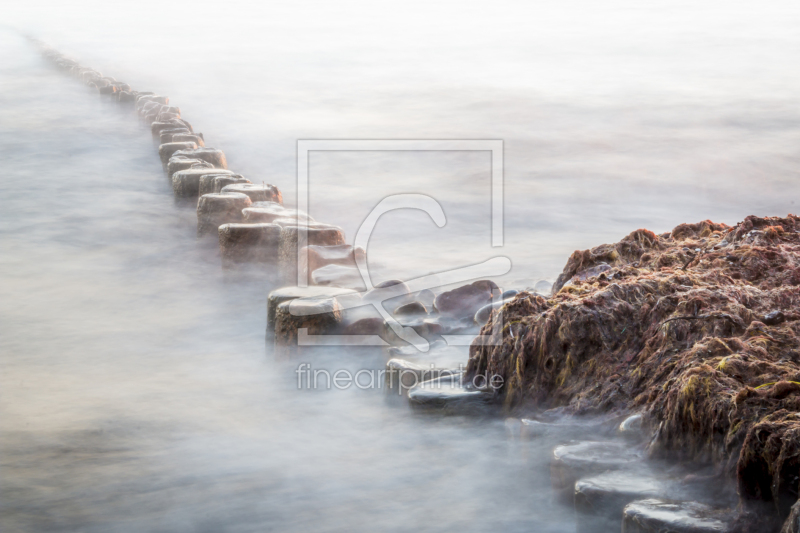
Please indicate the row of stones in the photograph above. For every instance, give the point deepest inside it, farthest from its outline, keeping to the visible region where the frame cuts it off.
(254, 227)
(608, 481)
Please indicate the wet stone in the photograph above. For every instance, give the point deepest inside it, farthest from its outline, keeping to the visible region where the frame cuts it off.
(214, 210)
(208, 183)
(222, 181)
(259, 213)
(189, 137)
(167, 136)
(148, 108)
(412, 309)
(571, 462)
(483, 314)
(320, 315)
(257, 192)
(441, 325)
(663, 516)
(319, 256)
(365, 326)
(248, 243)
(186, 183)
(792, 522)
(145, 98)
(125, 96)
(184, 163)
(448, 395)
(543, 287)
(156, 115)
(163, 115)
(165, 151)
(157, 127)
(631, 427)
(600, 500)
(405, 375)
(774, 318)
(300, 221)
(391, 294)
(319, 235)
(211, 155)
(338, 276)
(426, 297)
(278, 296)
(466, 300)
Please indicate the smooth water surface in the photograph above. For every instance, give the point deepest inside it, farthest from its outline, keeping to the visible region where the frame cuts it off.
(136, 390)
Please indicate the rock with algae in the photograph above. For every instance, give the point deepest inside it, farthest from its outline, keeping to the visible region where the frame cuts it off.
(698, 329)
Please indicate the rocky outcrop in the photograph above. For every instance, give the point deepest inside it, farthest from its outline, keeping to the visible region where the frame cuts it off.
(699, 329)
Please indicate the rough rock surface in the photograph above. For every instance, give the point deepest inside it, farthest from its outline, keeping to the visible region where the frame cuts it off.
(248, 243)
(209, 182)
(186, 183)
(320, 315)
(257, 192)
(214, 210)
(211, 155)
(466, 300)
(699, 329)
(177, 164)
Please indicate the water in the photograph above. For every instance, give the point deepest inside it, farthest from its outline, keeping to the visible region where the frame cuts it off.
(136, 392)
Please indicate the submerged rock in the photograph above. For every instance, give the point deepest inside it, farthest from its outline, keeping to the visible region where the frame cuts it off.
(571, 462)
(662, 516)
(600, 499)
(405, 375)
(449, 395)
(631, 427)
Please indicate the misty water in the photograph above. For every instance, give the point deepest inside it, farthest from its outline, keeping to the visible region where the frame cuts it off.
(137, 392)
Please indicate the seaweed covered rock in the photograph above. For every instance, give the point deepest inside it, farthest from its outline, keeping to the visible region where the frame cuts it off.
(698, 329)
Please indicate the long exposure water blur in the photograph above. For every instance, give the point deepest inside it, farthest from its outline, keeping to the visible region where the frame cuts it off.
(137, 392)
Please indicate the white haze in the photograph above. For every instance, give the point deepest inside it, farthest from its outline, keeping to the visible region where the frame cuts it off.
(136, 393)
